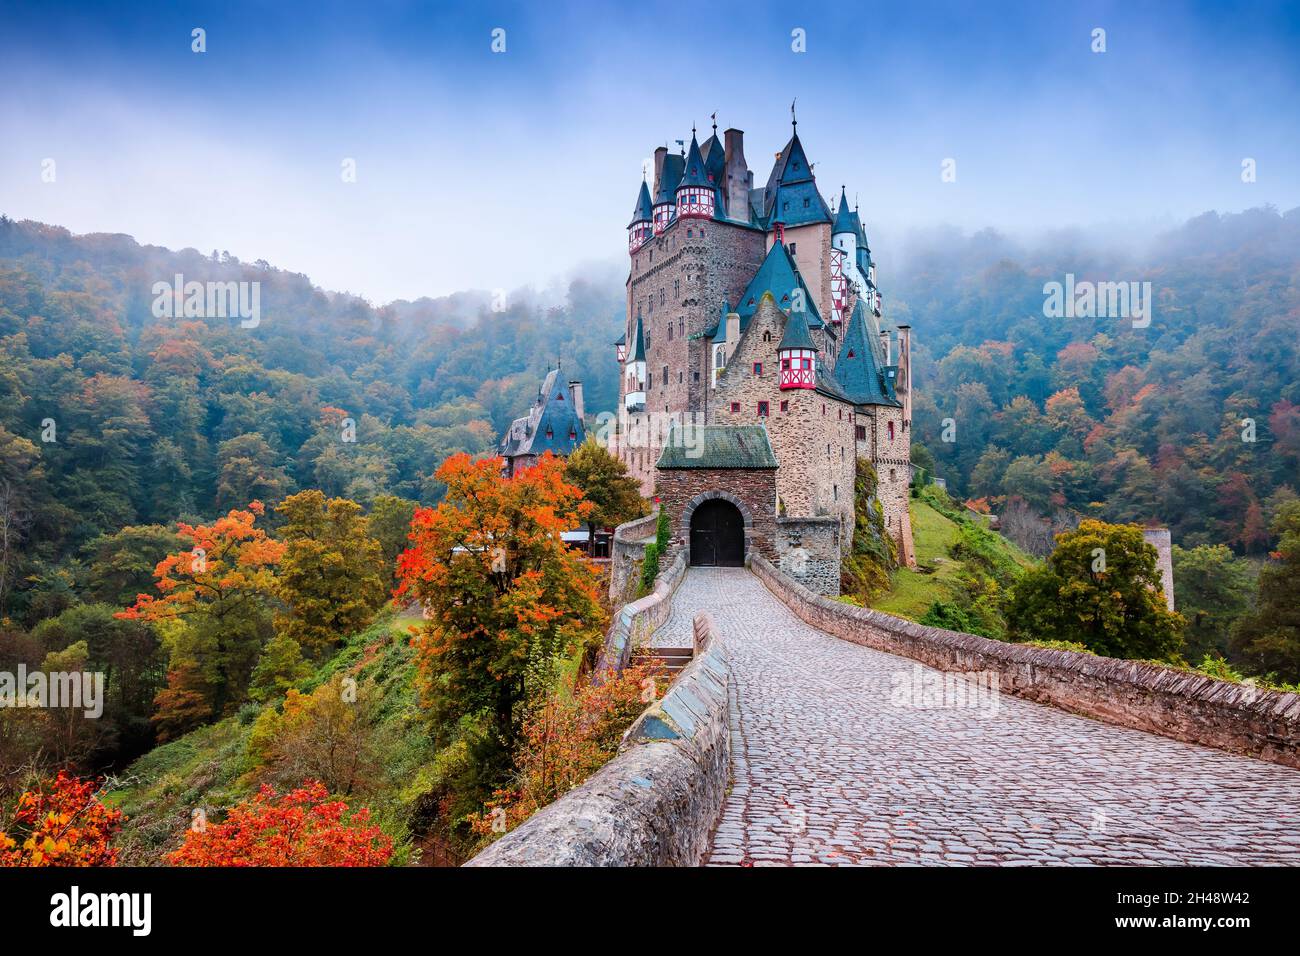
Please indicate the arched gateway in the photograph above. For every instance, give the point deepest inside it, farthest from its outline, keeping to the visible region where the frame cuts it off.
(717, 535)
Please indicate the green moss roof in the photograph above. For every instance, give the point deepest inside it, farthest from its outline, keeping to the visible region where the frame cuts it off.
(718, 446)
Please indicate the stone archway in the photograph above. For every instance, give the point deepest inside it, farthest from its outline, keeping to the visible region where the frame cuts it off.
(718, 527)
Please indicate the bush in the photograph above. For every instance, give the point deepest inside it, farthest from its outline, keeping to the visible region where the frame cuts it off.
(649, 569)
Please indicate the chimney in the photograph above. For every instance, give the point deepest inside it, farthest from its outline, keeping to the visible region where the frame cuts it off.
(739, 178)
(660, 153)
(903, 381)
(575, 393)
(733, 332)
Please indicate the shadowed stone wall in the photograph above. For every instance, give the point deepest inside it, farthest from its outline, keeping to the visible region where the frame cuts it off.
(657, 802)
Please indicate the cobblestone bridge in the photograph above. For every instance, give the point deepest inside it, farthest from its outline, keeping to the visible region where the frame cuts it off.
(829, 767)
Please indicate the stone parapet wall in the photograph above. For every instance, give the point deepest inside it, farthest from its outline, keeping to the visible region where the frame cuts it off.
(627, 551)
(1172, 703)
(657, 802)
(635, 622)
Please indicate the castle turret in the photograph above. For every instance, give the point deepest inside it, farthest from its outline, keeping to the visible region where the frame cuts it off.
(640, 228)
(634, 373)
(695, 193)
(844, 233)
(670, 174)
(797, 353)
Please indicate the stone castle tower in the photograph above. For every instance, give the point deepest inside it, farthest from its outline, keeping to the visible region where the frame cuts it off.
(758, 307)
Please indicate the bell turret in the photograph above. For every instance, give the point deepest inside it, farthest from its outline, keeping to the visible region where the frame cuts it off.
(695, 194)
(640, 228)
(797, 353)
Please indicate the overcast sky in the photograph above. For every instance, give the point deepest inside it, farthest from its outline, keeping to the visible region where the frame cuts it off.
(493, 170)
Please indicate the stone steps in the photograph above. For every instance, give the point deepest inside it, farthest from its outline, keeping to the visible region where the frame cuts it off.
(669, 660)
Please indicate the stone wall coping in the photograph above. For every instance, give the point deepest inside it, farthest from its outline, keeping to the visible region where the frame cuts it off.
(639, 618)
(657, 802)
(1173, 703)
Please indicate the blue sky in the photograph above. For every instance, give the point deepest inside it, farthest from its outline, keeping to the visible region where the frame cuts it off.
(486, 170)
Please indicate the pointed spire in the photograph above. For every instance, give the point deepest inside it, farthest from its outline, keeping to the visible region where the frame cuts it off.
(843, 217)
(644, 210)
(694, 174)
(797, 334)
(638, 349)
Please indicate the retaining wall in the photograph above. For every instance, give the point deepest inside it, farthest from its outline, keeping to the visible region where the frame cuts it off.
(657, 802)
(1172, 703)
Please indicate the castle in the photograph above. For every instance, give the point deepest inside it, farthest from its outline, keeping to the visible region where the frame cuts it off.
(754, 313)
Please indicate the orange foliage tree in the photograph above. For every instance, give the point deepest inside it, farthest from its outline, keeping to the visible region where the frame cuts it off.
(301, 828)
(61, 824)
(218, 586)
(504, 597)
(566, 739)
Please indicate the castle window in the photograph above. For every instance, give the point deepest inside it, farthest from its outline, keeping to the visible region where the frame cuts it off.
(550, 432)
(805, 204)
(850, 355)
(762, 409)
(758, 368)
(841, 414)
(835, 491)
(681, 377)
(697, 376)
(785, 406)
(573, 434)
(670, 331)
(824, 411)
(681, 326)
(665, 376)
(794, 247)
(891, 431)
(767, 336)
(860, 432)
(650, 380)
(735, 406)
(690, 234)
(891, 474)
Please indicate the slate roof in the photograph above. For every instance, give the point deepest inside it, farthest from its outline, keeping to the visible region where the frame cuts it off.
(845, 218)
(638, 347)
(791, 190)
(777, 275)
(695, 174)
(861, 376)
(669, 178)
(548, 424)
(644, 208)
(796, 335)
(719, 446)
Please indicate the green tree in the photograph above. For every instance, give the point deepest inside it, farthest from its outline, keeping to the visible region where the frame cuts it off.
(332, 576)
(280, 667)
(1268, 640)
(1213, 589)
(389, 523)
(1101, 588)
(118, 567)
(604, 481)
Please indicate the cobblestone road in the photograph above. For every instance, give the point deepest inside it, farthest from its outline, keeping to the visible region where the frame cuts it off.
(828, 770)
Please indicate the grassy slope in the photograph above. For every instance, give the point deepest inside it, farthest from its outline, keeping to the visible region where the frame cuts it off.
(208, 767)
(937, 574)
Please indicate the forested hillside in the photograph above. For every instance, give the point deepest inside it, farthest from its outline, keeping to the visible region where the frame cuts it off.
(1192, 422)
(112, 418)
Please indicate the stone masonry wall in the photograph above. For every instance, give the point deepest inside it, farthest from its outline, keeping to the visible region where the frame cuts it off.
(677, 283)
(755, 489)
(634, 623)
(812, 436)
(626, 554)
(657, 802)
(1186, 707)
(892, 461)
(808, 550)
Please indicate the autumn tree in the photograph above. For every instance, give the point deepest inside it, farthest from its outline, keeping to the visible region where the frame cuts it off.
(501, 591)
(301, 828)
(615, 496)
(1268, 640)
(1101, 588)
(60, 823)
(332, 575)
(328, 735)
(216, 590)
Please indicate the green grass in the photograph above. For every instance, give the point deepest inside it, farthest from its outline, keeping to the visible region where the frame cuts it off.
(209, 768)
(938, 574)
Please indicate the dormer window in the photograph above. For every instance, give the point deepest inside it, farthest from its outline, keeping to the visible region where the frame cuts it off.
(550, 432)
